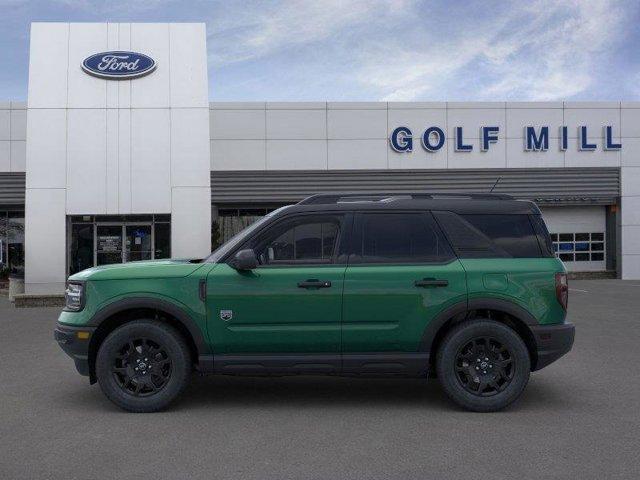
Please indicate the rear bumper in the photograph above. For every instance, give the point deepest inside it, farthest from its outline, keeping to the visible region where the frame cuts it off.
(552, 342)
(76, 348)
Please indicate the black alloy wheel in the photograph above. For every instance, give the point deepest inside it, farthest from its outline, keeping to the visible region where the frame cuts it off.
(484, 366)
(143, 365)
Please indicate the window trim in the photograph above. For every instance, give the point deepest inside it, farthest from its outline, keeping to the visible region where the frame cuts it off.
(355, 260)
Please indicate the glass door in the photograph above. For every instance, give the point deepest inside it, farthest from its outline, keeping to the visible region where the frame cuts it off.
(108, 244)
(138, 243)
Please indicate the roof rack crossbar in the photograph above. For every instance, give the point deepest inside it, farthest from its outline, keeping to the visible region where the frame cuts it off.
(330, 198)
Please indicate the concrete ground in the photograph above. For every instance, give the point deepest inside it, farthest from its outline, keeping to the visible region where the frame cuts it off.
(578, 418)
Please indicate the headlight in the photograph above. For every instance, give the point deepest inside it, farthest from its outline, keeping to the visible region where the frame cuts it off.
(74, 297)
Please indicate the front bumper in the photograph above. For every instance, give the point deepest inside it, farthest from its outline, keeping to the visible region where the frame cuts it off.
(77, 347)
(552, 342)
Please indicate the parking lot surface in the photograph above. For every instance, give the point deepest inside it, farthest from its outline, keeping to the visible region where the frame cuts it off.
(578, 418)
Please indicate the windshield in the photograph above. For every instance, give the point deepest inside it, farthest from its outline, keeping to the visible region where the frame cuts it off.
(234, 241)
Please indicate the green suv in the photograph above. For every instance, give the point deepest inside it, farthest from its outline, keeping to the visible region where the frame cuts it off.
(462, 287)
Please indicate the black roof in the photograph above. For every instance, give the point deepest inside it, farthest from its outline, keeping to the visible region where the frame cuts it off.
(464, 203)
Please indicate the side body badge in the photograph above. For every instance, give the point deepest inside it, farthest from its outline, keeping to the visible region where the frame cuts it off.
(226, 315)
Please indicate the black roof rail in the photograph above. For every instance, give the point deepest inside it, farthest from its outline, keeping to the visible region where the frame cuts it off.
(330, 198)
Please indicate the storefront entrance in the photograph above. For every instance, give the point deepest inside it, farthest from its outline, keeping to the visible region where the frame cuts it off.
(96, 240)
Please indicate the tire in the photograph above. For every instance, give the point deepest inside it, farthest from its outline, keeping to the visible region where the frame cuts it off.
(483, 365)
(143, 366)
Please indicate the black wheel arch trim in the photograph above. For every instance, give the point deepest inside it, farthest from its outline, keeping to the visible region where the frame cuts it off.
(156, 304)
(464, 307)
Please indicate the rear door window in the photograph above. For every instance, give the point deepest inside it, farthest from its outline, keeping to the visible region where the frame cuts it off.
(490, 235)
(403, 237)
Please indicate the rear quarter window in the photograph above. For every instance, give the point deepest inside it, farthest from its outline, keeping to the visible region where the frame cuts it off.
(491, 235)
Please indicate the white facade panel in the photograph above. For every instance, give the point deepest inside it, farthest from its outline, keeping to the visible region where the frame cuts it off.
(356, 124)
(18, 124)
(630, 122)
(417, 120)
(190, 164)
(188, 54)
(47, 148)
(86, 161)
(150, 160)
(630, 154)
(85, 91)
(630, 181)
(5, 124)
(124, 161)
(124, 86)
(598, 158)
(153, 90)
(471, 119)
(48, 65)
(494, 157)
(191, 222)
(519, 118)
(296, 155)
(418, 158)
(517, 157)
(357, 154)
(18, 156)
(238, 124)
(45, 240)
(5, 156)
(111, 161)
(238, 155)
(630, 267)
(296, 124)
(592, 118)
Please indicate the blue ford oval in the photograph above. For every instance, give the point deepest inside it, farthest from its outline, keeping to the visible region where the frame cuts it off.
(118, 65)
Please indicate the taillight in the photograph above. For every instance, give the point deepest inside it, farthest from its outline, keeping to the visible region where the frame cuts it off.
(562, 289)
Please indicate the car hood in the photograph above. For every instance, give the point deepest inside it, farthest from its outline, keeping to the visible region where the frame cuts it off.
(142, 269)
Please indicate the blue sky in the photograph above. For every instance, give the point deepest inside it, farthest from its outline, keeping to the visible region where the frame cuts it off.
(363, 50)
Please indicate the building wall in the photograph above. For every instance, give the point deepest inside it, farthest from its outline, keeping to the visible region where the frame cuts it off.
(259, 136)
(98, 146)
(13, 136)
(355, 135)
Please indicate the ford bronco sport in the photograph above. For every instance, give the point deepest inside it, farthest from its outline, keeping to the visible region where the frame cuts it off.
(462, 287)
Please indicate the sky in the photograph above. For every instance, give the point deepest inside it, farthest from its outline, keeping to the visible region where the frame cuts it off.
(377, 50)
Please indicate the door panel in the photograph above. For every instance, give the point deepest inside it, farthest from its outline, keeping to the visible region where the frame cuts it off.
(402, 273)
(265, 311)
(385, 311)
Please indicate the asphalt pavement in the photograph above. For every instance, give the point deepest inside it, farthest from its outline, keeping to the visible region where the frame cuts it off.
(578, 418)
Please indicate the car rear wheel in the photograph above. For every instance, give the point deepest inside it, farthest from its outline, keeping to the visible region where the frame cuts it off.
(483, 365)
(143, 365)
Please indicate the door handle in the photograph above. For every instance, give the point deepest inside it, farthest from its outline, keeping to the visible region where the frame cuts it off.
(313, 283)
(431, 282)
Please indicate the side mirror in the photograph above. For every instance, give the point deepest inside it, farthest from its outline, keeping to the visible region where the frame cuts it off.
(244, 260)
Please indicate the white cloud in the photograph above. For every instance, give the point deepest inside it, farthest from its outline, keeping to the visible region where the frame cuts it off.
(542, 51)
(261, 29)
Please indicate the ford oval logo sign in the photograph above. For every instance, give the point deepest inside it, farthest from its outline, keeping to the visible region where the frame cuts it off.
(118, 65)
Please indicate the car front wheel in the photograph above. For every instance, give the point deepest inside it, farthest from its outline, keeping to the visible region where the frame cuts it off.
(143, 365)
(483, 365)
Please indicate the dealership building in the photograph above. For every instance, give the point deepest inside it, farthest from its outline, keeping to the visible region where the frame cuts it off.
(118, 155)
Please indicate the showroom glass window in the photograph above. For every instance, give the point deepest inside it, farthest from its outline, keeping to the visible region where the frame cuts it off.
(11, 243)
